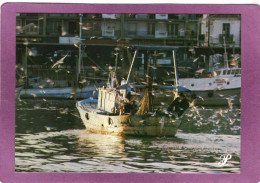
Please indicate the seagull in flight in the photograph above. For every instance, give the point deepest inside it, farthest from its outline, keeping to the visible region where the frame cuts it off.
(61, 61)
(195, 60)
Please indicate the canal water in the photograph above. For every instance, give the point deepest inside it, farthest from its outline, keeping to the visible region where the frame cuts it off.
(50, 137)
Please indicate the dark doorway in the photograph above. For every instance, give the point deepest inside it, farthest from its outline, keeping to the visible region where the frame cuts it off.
(72, 27)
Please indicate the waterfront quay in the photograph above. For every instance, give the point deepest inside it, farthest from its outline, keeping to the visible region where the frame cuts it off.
(87, 44)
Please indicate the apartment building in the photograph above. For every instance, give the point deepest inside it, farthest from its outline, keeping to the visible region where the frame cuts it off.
(42, 38)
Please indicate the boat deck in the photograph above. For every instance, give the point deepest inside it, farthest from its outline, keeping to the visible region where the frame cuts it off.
(91, 106)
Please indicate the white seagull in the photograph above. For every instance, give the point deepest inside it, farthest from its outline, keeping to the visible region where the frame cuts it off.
(61, 61)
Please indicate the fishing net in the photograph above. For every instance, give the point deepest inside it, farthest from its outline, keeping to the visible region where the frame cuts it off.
(146, 103)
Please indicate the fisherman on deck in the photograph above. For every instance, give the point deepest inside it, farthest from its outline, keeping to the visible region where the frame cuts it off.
(127, 105)
(123, 82)
(133, 108)
(179, 105)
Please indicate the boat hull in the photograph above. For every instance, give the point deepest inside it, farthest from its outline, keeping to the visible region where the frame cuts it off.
(137, 125)
(229, 97)
(214, 91)
(59, 93)
(17, 92)
(224, 97)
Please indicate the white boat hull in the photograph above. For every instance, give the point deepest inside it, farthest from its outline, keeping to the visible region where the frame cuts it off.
(229, 97)
(216, 91)
(137, 125)
(223, 97)
(59, 93)
(17, 92)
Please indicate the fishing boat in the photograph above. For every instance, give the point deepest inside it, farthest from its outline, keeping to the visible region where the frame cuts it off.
(220, 87)
(115, 111)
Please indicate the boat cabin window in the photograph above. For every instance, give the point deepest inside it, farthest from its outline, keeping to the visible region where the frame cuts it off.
(218, 73)
(229, 72)
(236, 71)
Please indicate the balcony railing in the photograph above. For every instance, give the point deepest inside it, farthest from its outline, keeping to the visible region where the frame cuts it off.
(228, 38)
(156, 34)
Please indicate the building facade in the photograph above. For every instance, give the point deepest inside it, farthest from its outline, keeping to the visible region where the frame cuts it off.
(44, 38)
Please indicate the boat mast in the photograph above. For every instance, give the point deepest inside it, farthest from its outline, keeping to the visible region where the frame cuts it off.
(128, 77)
(175, 72)
(80, 47)
(24, 65)
(116, 59)
(225, 53)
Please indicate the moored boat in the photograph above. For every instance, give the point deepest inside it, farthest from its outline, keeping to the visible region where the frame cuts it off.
(217, 87)
(220, 87)
(59, 93)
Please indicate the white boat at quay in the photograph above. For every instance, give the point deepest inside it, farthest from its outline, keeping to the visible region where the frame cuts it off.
(115, 111)
(59, 93)
(220, 87)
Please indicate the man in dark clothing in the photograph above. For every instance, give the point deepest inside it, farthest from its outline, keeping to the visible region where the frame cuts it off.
(179, 105)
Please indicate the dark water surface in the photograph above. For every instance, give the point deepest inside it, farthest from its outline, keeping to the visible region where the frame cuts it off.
(50, 137)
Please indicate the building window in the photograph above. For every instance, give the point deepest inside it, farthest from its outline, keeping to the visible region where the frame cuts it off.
(72, 28)
(54, 27)
(131, 29)
(226, 29)
(151, 29)
(173, 29)
(161, 30)
(226, 34)
(96, 29)
(108, 29)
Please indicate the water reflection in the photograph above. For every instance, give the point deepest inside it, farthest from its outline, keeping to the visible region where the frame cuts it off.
(80, 151)
(53, 139)
(99, 145)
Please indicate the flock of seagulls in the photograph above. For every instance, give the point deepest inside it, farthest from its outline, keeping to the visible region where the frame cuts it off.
(195, 112)
(216, 118)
